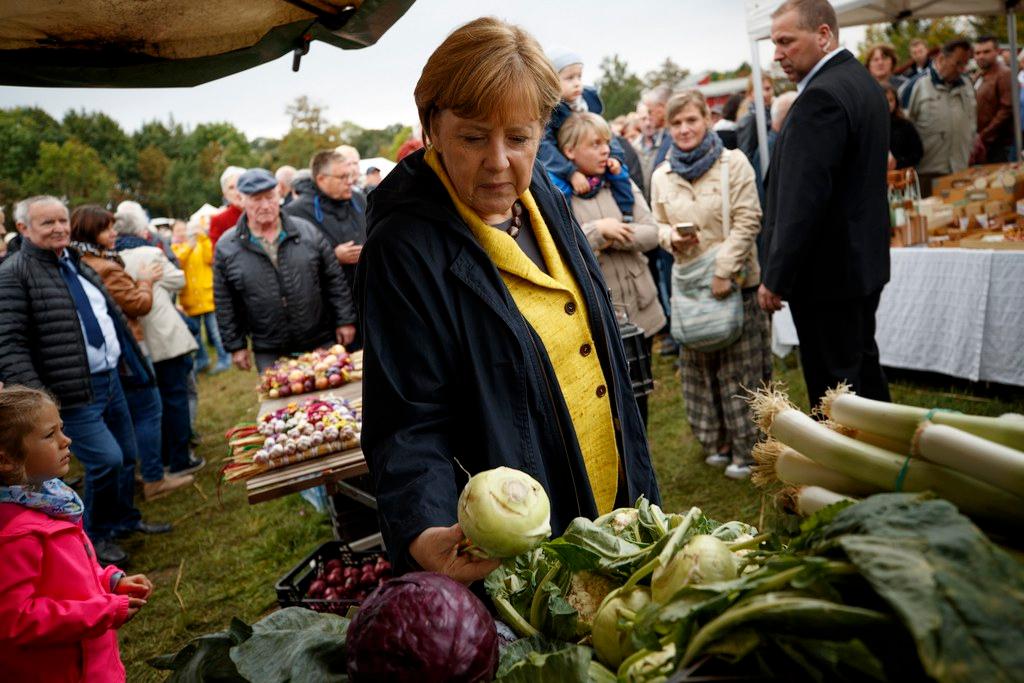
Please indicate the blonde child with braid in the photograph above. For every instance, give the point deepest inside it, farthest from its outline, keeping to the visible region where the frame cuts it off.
(59, 609)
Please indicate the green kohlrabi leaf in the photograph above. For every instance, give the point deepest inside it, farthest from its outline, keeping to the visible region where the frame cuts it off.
(730, 531)
(512, 587)
(536, 660)
(586, 546)
(294, 644)
(653, 522)
(643, 524)
(563, 618)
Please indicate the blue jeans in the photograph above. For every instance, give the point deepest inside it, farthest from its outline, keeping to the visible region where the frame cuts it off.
(213, 336)
(144, 405)
(172, 378)
(103, 440)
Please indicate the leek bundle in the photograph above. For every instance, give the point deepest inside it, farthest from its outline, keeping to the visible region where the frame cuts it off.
(984, 460)
(774, 462)
(900, 422)
(807, 500)
(778, 418)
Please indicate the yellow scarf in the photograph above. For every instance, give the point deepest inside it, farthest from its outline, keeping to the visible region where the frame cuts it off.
(556, 309)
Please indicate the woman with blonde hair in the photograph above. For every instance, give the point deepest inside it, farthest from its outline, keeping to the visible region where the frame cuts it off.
(705, 202)
(619, 245)
(489, 336)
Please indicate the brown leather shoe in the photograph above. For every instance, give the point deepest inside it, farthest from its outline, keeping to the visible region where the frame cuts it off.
(152, 490)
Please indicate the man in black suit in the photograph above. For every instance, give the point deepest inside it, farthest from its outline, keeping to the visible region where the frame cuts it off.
(826, 219)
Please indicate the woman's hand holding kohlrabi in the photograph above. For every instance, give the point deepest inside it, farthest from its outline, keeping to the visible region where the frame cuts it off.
(437, 549)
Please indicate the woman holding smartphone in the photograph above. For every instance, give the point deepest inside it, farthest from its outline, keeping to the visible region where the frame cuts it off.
(687, 202)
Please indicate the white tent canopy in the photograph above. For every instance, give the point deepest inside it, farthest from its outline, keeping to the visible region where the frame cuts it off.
(859, 12)
(385, 165)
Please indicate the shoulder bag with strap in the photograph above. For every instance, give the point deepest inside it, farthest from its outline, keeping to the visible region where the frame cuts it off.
(700, 322)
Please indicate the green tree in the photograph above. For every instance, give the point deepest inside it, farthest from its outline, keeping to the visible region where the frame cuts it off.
(307, 115)
(186, 189)
(22, 130)
(310, 132)
(935, 32)
(375, 142)
(234, 146)
(73, 171)
(168, 137)
(265, 151)
(296, 148)
(396, 142)
(154, 166)
(742, 71)
(618, 86)
(106, 136)
(995, 26)
(349, 131)
(668, 72)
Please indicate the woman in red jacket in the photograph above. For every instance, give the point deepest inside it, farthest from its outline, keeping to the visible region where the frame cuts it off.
(58, 608)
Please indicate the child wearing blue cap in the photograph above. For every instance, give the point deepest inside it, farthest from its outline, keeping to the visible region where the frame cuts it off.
(563, 173)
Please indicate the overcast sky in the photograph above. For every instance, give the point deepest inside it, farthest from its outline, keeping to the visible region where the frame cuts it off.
(373, 86)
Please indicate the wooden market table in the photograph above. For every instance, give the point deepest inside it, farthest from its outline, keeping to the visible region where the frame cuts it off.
(339, 473)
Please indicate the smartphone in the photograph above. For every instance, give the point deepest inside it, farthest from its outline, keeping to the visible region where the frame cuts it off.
(684, 229)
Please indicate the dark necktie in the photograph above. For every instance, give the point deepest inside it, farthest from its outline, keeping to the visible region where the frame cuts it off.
(93, 333)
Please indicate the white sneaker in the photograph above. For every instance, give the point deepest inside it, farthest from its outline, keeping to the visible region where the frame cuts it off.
(718, 459)
(734, 471)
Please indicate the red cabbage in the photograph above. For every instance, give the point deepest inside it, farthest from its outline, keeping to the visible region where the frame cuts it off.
(424, 627)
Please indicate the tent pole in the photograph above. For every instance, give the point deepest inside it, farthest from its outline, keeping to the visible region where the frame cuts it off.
(759, 112)
(1011, 30)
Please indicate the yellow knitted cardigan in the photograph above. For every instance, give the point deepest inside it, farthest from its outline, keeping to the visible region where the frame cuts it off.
(544, 300)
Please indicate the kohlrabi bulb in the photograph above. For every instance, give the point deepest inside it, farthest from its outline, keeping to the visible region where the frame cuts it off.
(504, 512)
(704, 559)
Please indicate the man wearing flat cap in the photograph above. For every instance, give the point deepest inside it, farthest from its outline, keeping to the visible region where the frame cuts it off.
(277, 282)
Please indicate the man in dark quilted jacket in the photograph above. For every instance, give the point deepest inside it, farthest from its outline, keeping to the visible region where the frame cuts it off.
(61, 331)
(277, 282)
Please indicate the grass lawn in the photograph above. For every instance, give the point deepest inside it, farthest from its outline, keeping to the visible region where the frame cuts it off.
(225, 555)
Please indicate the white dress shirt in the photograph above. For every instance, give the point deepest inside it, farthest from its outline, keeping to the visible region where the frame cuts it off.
(105, 357)
(817, 67)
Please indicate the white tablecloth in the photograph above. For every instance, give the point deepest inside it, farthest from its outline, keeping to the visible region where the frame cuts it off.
(959, 312)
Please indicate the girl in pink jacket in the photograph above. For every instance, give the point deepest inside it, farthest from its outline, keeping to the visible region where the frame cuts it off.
(58, 608)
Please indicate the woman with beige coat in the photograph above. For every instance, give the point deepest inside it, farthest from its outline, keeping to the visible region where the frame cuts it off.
(688, 188)
(168, 339)
(619, 246)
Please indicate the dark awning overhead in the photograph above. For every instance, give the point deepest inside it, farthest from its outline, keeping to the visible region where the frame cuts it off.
(172, 43)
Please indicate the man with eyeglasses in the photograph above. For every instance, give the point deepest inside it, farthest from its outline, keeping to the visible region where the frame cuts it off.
(277, 281)
(942, 106)
(333, 207)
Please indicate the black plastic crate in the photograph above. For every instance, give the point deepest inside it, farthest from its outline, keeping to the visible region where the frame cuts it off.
(292, 589)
